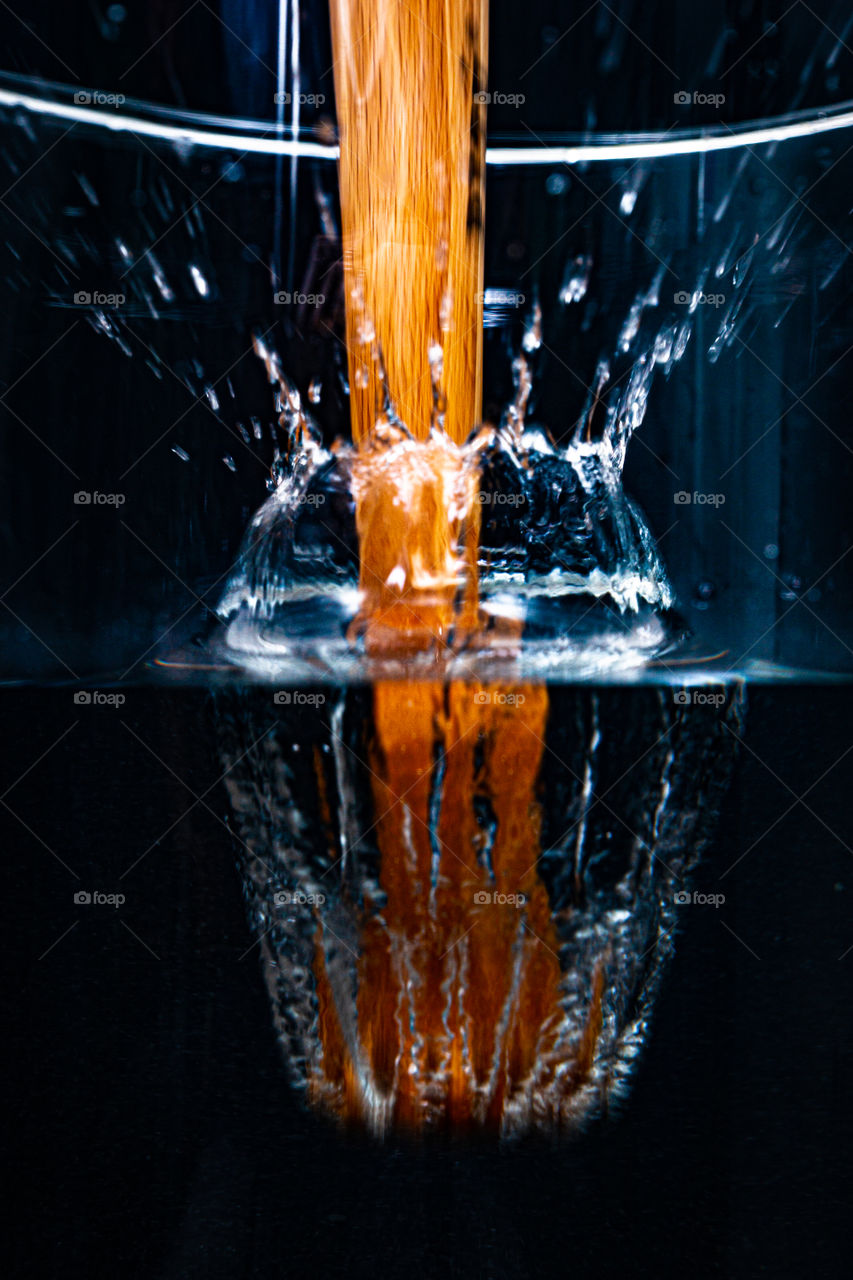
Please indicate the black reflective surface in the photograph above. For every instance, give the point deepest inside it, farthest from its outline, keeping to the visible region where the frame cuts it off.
(152, 1131)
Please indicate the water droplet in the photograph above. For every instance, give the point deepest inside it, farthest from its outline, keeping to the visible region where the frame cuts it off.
(160, 280)
(181, 453)
(233, 171)
(88, 189)
(229, 462)
(366, 332)
(315, 390)
(532, 339)
(576, 280)
(202, 287)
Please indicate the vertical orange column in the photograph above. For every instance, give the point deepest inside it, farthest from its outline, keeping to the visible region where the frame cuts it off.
(409, 82)
(458, 1003)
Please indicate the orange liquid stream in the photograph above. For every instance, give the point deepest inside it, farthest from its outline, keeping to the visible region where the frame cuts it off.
(457, 1003)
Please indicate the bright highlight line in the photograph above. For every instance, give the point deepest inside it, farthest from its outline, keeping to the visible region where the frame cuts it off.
(652, 147)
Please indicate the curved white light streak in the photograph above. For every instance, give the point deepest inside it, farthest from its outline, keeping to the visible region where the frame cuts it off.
(652, 147)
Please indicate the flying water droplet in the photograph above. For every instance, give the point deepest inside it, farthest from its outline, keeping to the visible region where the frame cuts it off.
(532, 339)
(199, 280)
(166, 291)
(88, 189)
(576, 280)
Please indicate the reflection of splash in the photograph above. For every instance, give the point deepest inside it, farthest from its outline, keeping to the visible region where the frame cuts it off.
(497, 868)
(457, 1009)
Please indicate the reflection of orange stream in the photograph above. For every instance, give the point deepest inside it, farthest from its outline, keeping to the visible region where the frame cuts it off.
(457, 999)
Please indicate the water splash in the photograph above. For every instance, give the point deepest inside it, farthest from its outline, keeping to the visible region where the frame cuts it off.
(560, 549)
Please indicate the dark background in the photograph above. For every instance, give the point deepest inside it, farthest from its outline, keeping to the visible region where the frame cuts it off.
(151, 1129)
(602, 66)
(96, 592)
